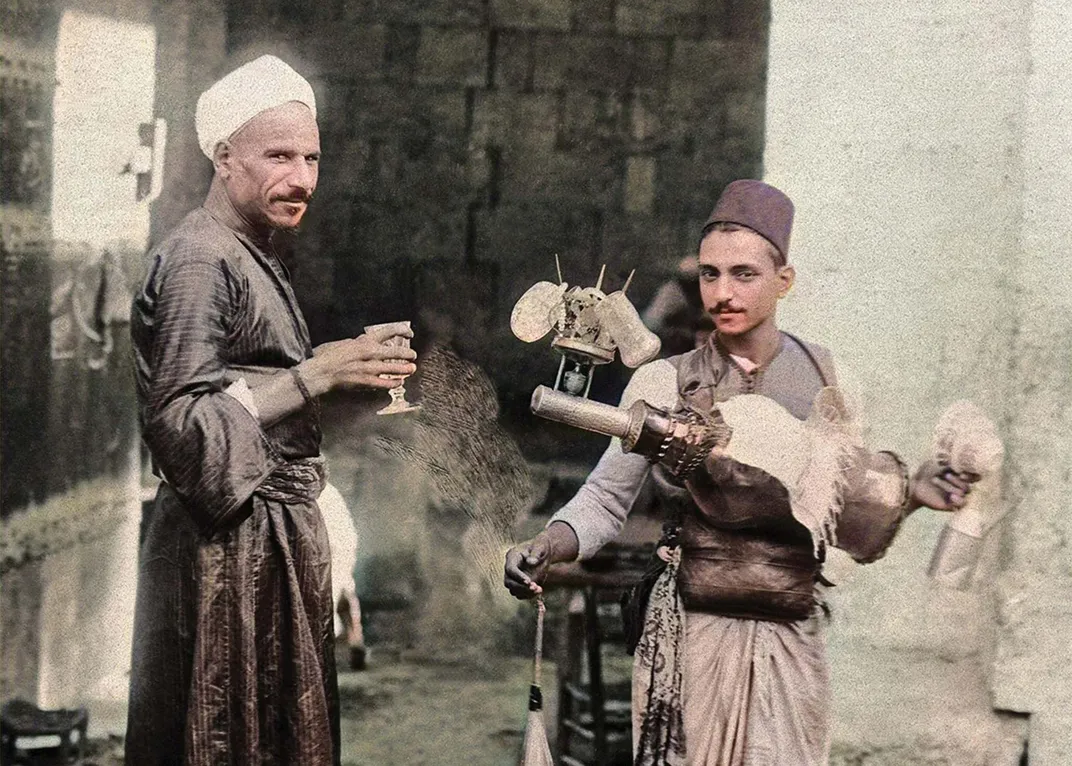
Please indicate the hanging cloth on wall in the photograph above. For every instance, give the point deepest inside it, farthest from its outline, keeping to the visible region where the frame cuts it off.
(93, 298)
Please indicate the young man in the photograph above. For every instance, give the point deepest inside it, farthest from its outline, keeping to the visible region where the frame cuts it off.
(737, 674)
(233, 642)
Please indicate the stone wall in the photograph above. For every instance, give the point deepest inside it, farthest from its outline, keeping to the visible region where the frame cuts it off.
(466, 143)
(189, 53)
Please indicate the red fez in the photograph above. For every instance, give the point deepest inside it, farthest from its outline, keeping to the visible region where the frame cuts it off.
(758, 206)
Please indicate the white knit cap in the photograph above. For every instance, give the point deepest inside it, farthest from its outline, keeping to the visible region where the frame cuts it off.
(240, 96)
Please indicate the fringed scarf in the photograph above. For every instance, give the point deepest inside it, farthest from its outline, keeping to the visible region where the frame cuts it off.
(657, 679)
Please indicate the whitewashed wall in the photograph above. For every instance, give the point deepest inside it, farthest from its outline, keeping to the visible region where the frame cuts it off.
(927, 147)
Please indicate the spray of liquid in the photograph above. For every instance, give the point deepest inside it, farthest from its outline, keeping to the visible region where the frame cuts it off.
(473, 464)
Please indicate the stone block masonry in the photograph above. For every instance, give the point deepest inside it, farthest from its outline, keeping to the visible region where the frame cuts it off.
(498, 133)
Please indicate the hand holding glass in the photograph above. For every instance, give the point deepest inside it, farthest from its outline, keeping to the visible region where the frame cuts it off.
(398, 395)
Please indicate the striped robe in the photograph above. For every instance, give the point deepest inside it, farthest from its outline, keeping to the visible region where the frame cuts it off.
(233, 644)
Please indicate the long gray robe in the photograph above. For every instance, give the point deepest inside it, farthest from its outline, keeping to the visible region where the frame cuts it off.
(233, 644)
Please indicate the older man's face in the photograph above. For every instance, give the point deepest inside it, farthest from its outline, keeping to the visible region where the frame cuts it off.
(272, 166)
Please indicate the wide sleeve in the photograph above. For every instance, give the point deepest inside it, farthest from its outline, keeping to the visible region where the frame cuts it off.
(598, 511)
(875, 503)
(207, 445)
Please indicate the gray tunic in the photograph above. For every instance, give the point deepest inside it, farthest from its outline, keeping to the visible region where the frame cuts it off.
(872, 513)
(598, 511)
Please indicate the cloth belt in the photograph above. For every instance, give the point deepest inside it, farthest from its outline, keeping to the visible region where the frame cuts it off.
(296, 481)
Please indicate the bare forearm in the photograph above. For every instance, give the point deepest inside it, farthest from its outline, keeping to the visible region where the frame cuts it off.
(280, 395)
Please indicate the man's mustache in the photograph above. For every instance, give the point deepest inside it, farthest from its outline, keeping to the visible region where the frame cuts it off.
(725, 307)
(295, 198)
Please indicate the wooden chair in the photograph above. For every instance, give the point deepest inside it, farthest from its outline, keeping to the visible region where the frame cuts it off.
(594, 722)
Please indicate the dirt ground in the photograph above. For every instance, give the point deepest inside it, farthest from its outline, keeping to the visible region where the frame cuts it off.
(400, 713)
(407, 712)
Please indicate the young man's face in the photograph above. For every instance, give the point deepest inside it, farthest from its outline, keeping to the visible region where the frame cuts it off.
(740, 284)
(271, 166)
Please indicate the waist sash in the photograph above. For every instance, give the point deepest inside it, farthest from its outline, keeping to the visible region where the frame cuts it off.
(296, 481)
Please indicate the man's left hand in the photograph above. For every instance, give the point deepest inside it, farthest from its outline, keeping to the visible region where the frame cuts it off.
(939, 487)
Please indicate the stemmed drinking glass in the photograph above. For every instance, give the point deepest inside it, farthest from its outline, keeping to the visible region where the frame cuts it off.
(398, 395)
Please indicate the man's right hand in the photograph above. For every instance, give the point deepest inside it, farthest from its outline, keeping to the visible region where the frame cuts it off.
(359, 362)
(526, 566)
(527, 563)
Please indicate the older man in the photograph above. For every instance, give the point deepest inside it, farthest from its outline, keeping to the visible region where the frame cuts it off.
(233, 642)
(731, 667)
